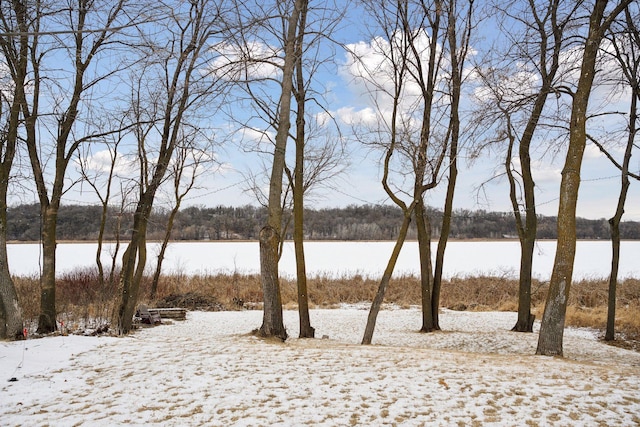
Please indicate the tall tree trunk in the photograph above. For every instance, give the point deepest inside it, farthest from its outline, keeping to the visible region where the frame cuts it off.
(550, 340)
(272, 320)
(423, 227)
(47, 318)
(270, 235)
(457, 53)
(384, 282)
(306, 331)
(11, 321)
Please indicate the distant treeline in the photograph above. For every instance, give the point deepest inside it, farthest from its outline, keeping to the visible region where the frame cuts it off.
(367, 222)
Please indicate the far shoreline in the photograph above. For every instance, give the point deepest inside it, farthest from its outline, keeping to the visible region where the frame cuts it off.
(453, 239)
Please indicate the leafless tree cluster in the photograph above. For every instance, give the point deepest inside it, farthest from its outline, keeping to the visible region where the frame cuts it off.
(128, 94)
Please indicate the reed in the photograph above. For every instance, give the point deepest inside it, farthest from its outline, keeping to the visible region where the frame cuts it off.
(81, 299)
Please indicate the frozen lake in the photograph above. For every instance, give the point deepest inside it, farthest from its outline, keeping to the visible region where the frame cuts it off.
(336, 259)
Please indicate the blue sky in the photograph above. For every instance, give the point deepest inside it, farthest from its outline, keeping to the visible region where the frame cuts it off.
(359, 183)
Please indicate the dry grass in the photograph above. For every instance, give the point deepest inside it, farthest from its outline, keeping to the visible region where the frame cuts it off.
(80, 298)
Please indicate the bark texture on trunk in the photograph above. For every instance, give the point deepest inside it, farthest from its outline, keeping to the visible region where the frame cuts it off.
(47, 320)
(11, 321)
(550, 340)
(426, 273)
(272, 321)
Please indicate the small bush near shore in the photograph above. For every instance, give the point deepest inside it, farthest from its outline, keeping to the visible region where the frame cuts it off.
(82, 299)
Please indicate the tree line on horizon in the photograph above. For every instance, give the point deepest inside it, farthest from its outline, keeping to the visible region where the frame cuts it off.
(353, 222)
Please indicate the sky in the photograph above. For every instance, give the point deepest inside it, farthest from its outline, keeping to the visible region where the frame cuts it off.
(480, 184)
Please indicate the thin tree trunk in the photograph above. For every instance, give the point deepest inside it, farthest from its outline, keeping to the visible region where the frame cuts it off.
(614, 222)
(163, 249)
(306, 331)
(384, 282)
(458, 54)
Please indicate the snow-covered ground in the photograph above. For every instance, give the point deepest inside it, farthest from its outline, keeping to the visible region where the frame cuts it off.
(208, 371)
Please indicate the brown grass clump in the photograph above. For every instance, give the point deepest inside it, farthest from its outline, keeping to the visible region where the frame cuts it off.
(81, 297)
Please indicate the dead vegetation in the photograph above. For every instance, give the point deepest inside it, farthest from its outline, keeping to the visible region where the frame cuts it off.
(81, 298)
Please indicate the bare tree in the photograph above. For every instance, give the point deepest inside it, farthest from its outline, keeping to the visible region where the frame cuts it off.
(534, 53)
(314, 164)
(271, 234)
(86, 30)
(260, 57)
(459, 46)
(187, 166)
(299, 90)
(13, 19)
(101, 175)
(423, 87)
(407, 82)
(176, 79)
(624, 39)
(550, 341)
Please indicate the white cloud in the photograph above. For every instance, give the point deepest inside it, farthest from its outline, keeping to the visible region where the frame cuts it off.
(101, 161)
(506, 87)
(543, 171)
(371, 70)
(255, 60)
(256, 137)
(351, 116)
